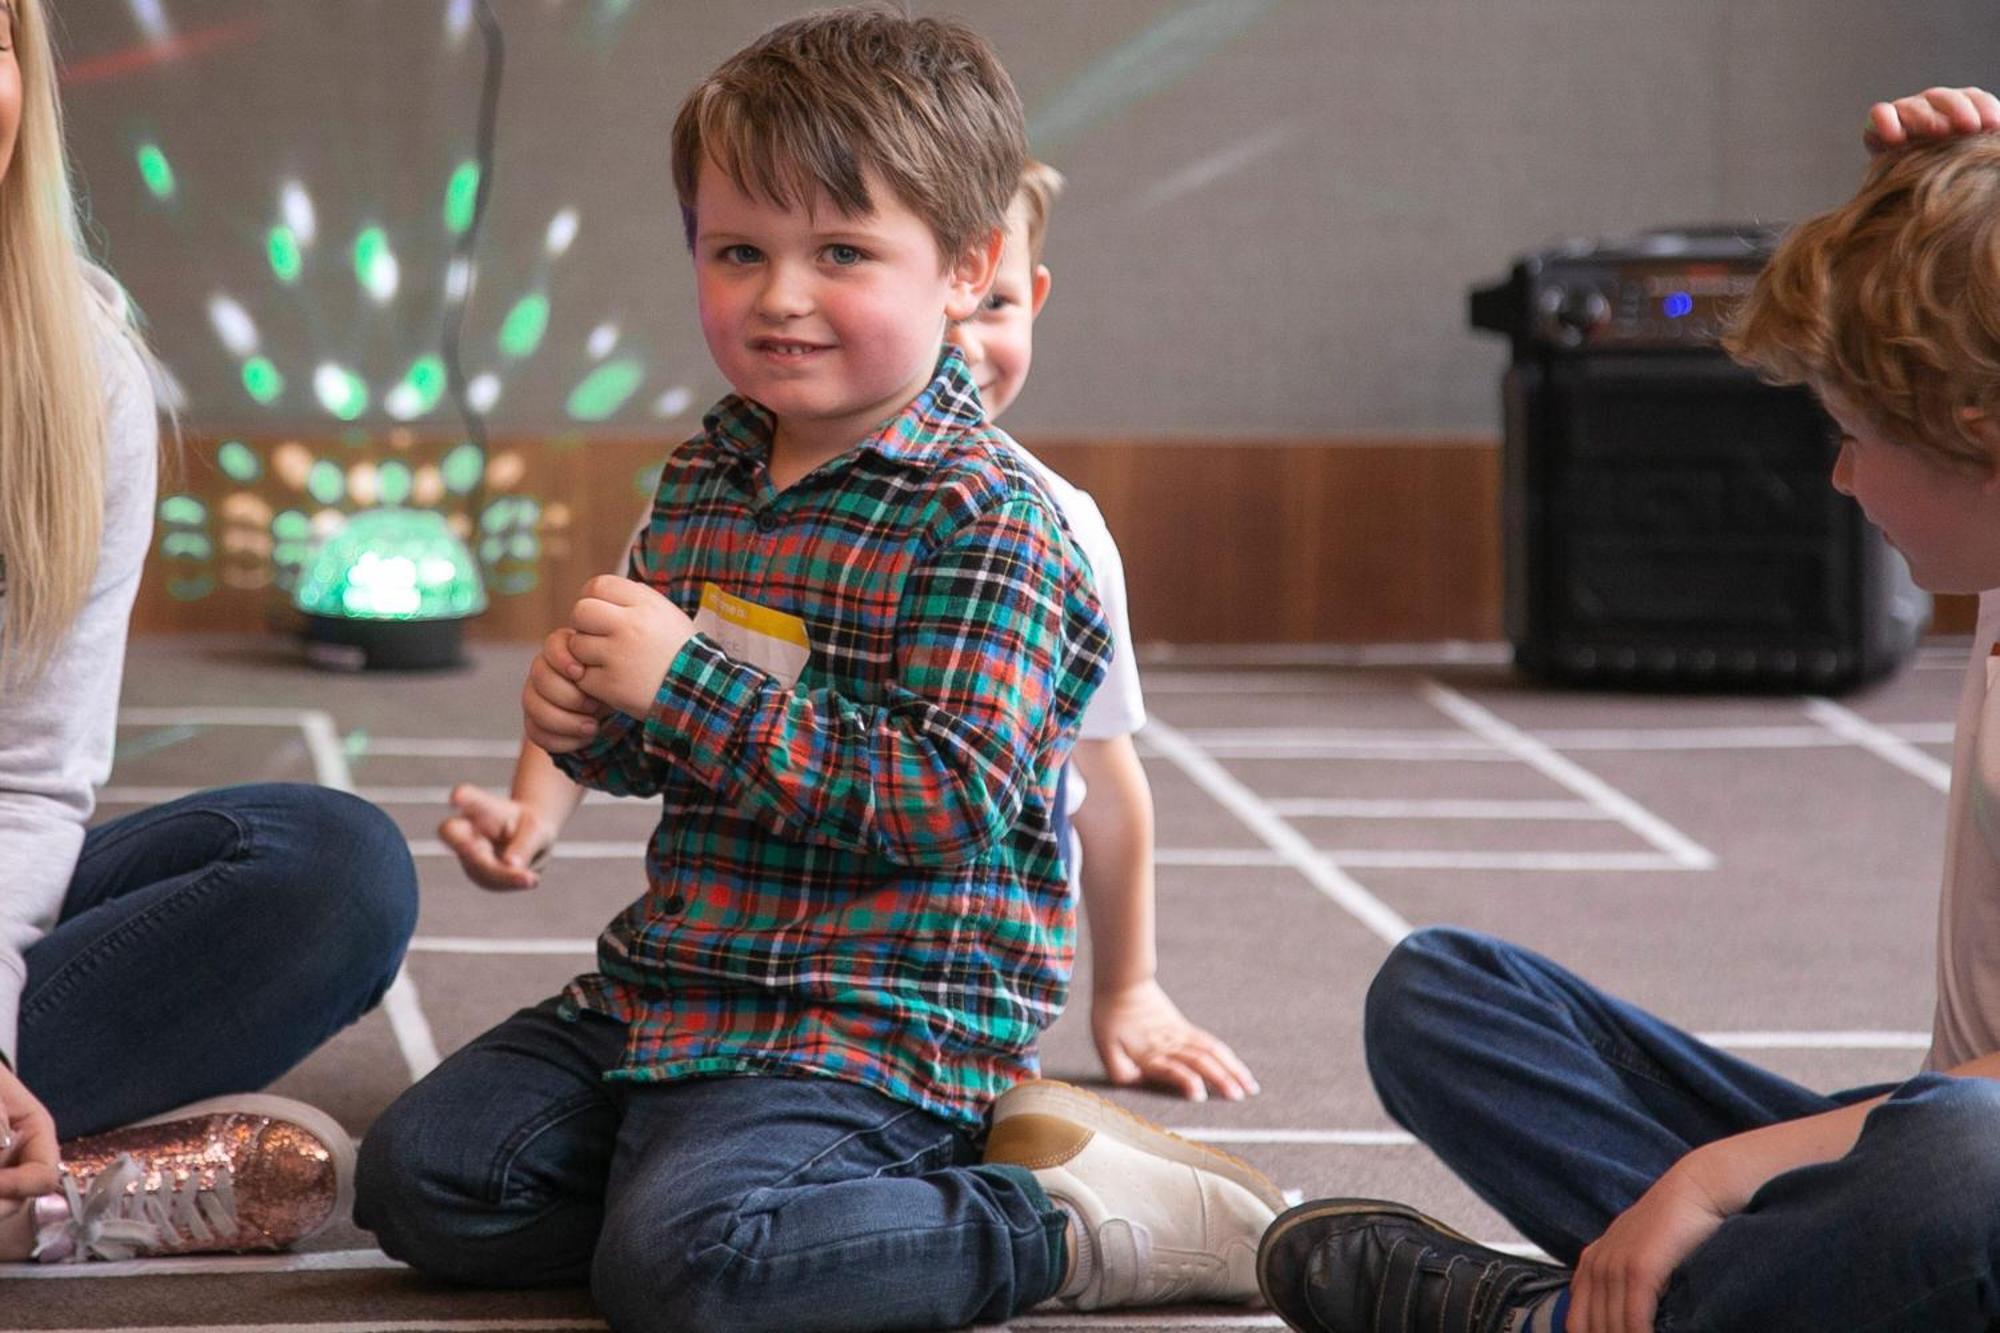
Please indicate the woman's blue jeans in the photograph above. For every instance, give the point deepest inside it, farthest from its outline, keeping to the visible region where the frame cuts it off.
(209, 944)
(717, 1204)
(1560, 1105)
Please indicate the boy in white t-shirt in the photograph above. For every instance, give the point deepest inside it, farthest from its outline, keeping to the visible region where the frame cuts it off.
(1141, 1035)
(1678, 1186)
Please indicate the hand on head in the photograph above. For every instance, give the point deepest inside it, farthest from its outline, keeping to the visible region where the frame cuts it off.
(1935, 113)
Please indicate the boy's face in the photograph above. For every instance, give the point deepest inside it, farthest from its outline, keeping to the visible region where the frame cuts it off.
(832, 322)
(999, 340)
(1943, 517)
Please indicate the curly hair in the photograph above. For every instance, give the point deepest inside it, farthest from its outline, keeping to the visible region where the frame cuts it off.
(1892, 301)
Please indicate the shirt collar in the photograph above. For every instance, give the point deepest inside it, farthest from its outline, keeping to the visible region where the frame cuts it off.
(948, 404)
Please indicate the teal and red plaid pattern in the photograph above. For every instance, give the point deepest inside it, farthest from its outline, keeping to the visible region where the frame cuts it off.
(857, 877)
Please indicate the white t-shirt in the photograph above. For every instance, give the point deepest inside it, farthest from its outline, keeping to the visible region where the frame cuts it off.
(56, 734)
(1117, 709)
(1967, 1024)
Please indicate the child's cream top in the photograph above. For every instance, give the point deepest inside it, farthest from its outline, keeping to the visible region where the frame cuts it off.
(56, 733)
(1968, 980)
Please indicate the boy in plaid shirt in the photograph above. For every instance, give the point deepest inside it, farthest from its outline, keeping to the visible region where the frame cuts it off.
(761, 1110)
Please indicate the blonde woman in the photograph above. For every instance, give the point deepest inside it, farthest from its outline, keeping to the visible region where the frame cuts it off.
(196, 949)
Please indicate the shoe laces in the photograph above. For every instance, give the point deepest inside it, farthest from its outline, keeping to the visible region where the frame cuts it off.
(123, 1216)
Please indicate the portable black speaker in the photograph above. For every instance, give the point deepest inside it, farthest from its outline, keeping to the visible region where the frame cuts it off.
(1668, 518)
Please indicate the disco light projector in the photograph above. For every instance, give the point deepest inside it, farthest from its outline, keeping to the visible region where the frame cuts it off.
(390, 590)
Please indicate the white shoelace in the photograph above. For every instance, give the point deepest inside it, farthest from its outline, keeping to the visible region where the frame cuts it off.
(115, 1220)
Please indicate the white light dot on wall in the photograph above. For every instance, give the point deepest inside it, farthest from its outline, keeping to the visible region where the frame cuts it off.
(673, 402)
(233, 325)
(458, 20)
(384, 276)
(297, 207)
(562, 231)
(603, 339)
(483, 392)
(458, 280)
(152, 17)
(404, 402)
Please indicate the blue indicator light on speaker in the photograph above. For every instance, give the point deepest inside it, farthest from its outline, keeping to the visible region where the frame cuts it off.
(1677, 304)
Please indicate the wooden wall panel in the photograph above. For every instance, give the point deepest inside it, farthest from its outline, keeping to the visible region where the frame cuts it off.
(1329, 541)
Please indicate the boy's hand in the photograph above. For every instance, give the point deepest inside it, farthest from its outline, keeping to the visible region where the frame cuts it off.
(626, 637)
(1143, 1038)
(557, 715)
(1621, 1275)
(499, 842)
(1935, 113)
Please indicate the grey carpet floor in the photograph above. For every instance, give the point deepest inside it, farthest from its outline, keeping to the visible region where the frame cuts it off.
(1762, 870)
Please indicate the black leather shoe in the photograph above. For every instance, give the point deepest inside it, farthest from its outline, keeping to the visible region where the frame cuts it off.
(1363, 1266)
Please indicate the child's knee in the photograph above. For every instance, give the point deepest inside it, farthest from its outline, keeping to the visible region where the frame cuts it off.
(1414, 972)
(672, 1270)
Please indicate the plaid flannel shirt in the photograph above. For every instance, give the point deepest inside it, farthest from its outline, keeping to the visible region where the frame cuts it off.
(856, 877)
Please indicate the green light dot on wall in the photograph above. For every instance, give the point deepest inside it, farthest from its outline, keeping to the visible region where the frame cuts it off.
(326, 483)
(262, 381)
(393, 482)
(605, 390)
(191, 589)
(156, 171)
(523, 546)
(521, 332)
(291, 526)
(281, 248)
(462, 468)
(460, 194)
(186, 546)
(237, 462)
(183, 509)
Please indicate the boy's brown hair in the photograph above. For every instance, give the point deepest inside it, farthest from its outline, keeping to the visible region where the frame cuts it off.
(1040, 184)
(1892, 301)
(815, 103)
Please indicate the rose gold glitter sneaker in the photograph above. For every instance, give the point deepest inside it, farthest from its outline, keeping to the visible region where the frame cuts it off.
(230, 1175)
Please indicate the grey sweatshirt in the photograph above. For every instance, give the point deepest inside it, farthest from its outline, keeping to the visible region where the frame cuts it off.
(56, 732)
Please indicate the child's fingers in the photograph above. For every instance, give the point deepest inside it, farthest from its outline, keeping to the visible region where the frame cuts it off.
(593, 650)
(1173, 1070)
(617, 591)
(1987, 105)
(557, 654)
(545, 683)
(594, 615)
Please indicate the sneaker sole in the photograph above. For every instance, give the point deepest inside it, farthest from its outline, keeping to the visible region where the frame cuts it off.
(1048, 1097)
(1323, 1208)
(339, 1143)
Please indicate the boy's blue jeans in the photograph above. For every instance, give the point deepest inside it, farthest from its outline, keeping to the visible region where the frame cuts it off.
(713, 1204)
(1559, 1105)
(209, 944)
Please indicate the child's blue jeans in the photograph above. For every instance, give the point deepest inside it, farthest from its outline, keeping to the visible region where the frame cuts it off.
(1560, 1105)
(713, 1204)
(209, 944)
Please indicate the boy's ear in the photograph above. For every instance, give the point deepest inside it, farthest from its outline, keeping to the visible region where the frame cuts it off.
(972, 276)
(1043, 281)
(1987, 431)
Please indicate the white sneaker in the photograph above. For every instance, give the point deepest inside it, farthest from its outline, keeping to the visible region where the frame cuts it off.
(1161, 1219)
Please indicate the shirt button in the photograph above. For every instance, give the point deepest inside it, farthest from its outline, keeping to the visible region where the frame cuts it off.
(767, 521)
(675, 905)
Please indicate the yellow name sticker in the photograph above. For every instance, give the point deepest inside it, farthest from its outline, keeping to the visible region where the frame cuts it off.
(757, 636)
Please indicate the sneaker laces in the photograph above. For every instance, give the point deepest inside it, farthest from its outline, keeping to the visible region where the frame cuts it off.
(119, 1217)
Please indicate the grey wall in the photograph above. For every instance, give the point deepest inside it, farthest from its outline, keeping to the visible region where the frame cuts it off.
(1275, 206)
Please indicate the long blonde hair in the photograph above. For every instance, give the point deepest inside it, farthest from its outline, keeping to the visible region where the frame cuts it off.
(52, 408)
